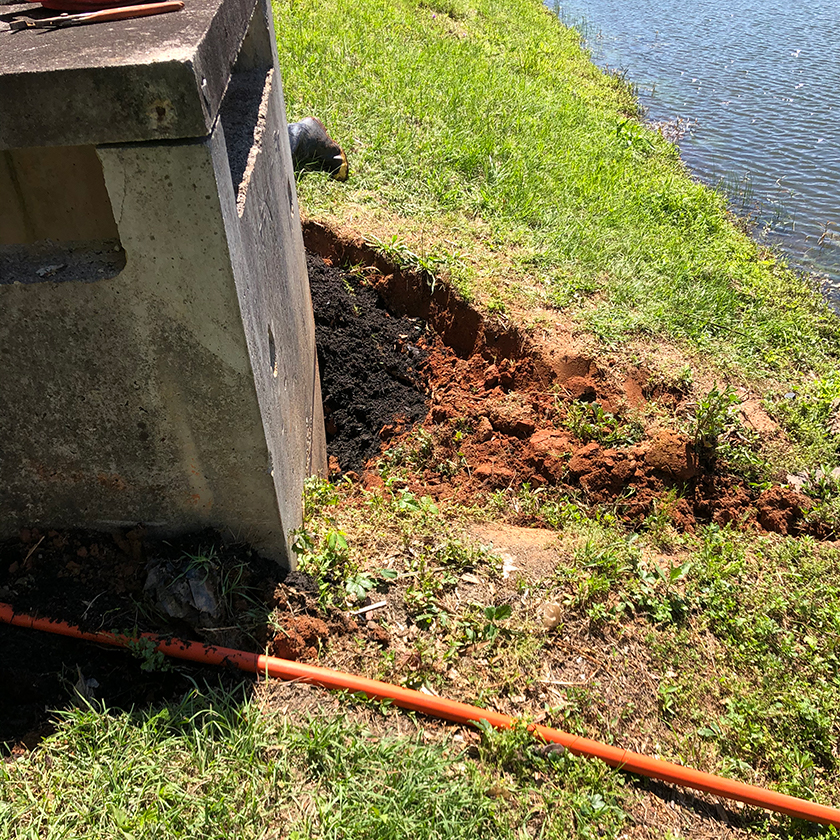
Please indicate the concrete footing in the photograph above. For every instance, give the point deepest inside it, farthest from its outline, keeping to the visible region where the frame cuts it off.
(156, 330)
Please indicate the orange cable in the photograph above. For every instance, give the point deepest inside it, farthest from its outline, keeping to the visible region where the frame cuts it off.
(450, 710)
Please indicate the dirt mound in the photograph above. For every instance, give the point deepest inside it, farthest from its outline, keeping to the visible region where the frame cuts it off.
(371, 364)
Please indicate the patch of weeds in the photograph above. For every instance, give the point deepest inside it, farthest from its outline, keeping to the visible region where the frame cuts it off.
(711, 419)
(427, 583)
(740, 451)
(719, 436)
(478, 625)
(374, 788)
(216, 765)
(145, 649)
(323, 549)
(610, 576)
(507, 749)
(431, 265)
(228, 578)
(422, 452)
(451, 8)
(823, 485)
(577, 797)
(317, 494)
(565, 289)
(326, 559)
(771, 607)
(668, 697)
(658, 526)
(589, 422)
(496, 305)
(547, 506)
(435, 569)
(423, 664)
(658, 594)
(633, 135)
(601, 563)
(405, 502)
(461, 556)
(364, 582)
(811, 414)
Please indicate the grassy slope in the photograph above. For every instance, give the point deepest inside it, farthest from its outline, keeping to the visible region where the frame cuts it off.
(479, 132)
(480, 129)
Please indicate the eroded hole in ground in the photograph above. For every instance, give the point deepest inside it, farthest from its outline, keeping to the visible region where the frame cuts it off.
(503, 413)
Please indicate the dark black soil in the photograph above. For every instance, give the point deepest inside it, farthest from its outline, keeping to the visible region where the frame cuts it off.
(41, 672)
(97, 581)
(371, 364)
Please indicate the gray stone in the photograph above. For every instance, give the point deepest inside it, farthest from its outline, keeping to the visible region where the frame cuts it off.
(166, 372)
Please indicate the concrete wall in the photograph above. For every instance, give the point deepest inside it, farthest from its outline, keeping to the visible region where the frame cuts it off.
(53, 193)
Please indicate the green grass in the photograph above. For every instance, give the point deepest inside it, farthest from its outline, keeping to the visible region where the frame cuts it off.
(216, 766)
(480, 128)
(721, 645)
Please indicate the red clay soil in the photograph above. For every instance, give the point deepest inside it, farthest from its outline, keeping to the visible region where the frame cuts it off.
(499, 405)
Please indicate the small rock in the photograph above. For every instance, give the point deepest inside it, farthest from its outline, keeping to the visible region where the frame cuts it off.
(552, 615)
(551, 750)
(580, 388)
(780, 510)
(377, 633)
(49, 270)
(497, 476)
(582, 460)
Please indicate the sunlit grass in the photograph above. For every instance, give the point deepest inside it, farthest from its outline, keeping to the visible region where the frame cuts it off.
(217, 766)
(489, 111)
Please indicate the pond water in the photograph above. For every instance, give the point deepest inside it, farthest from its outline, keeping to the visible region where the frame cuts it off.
(757, 85)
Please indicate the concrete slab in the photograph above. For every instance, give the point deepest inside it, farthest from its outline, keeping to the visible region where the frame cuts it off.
(152, 78)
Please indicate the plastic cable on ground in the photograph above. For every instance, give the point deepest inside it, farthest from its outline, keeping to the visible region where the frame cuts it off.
(449, 710)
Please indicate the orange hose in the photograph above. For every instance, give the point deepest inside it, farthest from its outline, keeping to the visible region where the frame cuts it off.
(449, 710)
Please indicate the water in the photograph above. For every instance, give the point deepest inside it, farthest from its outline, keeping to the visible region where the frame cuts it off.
(758, 84)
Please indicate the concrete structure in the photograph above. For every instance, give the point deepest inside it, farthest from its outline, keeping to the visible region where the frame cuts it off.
(157, 349)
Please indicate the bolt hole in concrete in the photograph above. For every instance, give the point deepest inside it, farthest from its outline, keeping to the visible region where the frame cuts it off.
(272, 353)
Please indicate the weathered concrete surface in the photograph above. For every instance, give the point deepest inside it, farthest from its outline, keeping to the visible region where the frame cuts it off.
(160, 77)
(184, 391)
